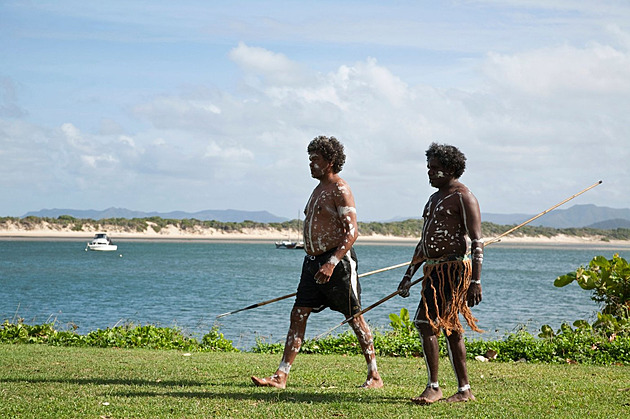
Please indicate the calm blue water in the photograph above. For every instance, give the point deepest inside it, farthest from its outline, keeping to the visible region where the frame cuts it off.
(187, 284)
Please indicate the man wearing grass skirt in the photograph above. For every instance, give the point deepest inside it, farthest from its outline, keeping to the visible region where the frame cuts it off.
(329, 271)
(452, 275)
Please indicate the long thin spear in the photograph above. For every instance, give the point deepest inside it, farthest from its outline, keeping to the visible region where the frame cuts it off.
(273, 300)
(488, 243)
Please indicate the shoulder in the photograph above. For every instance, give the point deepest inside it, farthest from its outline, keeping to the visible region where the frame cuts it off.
(342, 187)
(466, 195)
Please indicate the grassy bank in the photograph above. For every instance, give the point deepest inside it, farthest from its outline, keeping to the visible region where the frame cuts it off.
(45, 381)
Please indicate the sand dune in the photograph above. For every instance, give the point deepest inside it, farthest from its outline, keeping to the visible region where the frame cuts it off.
(52, 232)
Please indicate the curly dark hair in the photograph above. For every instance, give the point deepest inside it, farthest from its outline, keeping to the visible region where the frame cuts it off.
(330, 149)
(449, 156)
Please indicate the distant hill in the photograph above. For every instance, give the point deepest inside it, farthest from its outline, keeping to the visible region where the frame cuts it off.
(611, 224)
(225, 216)
(575, 216)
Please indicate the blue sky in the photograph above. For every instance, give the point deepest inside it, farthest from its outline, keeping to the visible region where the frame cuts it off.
(193, 105)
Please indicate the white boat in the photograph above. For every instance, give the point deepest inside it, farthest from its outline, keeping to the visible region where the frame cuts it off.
(102, 243)
(288, 244)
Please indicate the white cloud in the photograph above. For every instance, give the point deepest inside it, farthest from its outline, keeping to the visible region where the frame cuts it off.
(539, 117)
(598, 69)
(275, 68)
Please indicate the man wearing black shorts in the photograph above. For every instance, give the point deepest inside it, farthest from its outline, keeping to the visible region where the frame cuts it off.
(329, 272)
(341, 293)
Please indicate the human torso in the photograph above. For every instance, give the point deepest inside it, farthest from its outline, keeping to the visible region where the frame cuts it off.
(327, 211)
(444, 230)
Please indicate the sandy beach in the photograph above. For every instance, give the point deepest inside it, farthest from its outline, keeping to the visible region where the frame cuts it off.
(171, 233)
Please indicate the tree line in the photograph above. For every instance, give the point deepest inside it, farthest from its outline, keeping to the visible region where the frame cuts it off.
(408, 228)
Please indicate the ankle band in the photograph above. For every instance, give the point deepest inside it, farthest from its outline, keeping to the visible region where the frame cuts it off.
(434, 386)
(463, 388)
(284, 367)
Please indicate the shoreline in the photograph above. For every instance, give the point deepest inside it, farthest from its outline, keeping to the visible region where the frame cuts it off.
(270, 236)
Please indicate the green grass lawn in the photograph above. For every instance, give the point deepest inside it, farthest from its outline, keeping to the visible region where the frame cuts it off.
(45, 381)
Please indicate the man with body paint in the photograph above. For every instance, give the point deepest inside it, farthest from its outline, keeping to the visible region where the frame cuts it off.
(451, 282)
(329, 272)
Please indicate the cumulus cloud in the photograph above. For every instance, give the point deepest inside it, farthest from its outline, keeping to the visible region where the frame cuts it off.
(272, 67)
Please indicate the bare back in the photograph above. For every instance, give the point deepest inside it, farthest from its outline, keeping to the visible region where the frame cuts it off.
(330, 218)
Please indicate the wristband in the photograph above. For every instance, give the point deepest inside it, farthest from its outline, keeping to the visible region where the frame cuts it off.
(476, 281)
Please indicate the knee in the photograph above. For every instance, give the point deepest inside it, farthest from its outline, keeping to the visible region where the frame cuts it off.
(424, 327)
(361, 329)
(454, 338)
(420, 324)
(359, 325)
(299, 315)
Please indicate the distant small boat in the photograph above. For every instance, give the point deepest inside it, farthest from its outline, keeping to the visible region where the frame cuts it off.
(288, 244)
(101, 243)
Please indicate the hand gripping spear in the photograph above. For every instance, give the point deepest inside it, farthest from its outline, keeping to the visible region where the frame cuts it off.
(488, 243)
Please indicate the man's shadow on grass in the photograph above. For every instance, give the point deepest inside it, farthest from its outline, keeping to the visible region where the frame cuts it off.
(221, 390)
(108, 381)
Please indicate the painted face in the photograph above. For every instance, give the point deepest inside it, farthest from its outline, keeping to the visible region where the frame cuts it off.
(437, 173)
(318, 165)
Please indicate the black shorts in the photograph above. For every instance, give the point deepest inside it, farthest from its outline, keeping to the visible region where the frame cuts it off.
(342, 293)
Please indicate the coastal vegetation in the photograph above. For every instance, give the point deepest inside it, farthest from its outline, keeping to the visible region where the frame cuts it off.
(583, 343)
(609, 281)
(406, 229)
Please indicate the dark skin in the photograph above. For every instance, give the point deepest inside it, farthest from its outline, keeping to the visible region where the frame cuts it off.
(330, 222)
(451, 214)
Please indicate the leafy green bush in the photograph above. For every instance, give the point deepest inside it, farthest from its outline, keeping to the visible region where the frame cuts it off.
(215, 342)
(583, 344)
(609, 279)
(127, 336)
(148, 336)
(403, 340)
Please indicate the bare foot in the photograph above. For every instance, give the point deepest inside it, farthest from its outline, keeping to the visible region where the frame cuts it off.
(371, 382)
(429, 395)
(461, 396)
(273, 381)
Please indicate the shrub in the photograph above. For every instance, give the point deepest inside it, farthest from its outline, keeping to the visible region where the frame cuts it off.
(127, 336)
(215, 342)
(609, 279)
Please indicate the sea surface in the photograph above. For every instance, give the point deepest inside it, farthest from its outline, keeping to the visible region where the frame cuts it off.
(187, 284)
